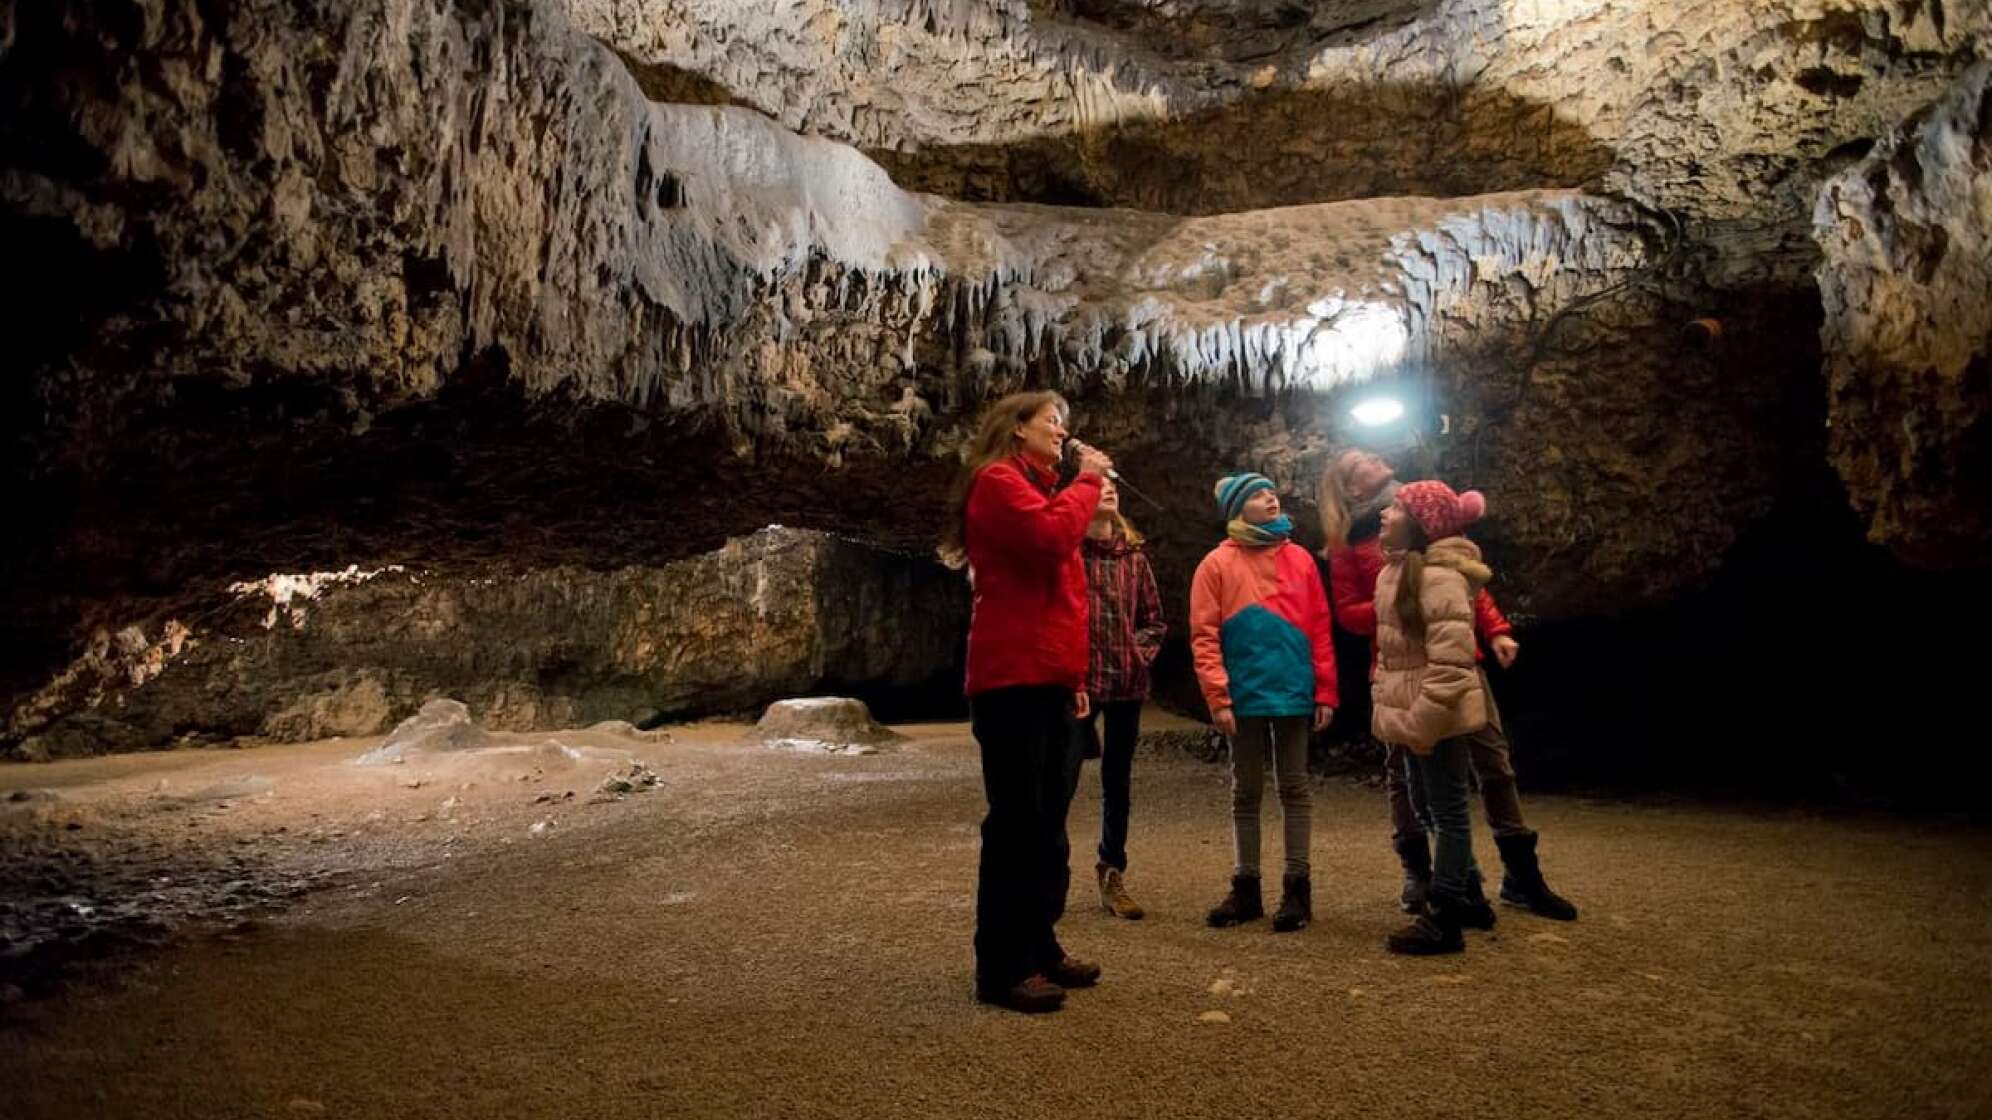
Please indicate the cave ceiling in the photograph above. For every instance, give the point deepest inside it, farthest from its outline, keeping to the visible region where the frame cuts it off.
(516, 282)
(1727, 113)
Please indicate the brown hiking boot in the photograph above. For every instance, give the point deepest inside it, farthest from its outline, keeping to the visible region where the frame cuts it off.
(1071, 972)
(1113, 894)
(1432, 933)
(1033, 995)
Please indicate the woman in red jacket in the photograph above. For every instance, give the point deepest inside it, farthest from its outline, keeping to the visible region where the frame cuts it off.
(1355, 490)
(1027, 646)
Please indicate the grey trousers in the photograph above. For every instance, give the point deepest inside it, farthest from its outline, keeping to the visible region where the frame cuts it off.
(1285, 738)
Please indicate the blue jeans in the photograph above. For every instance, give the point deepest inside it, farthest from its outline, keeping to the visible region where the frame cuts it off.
(1445, 775)
(1116, 755)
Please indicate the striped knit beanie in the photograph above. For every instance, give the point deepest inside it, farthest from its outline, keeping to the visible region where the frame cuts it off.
(1232, 490)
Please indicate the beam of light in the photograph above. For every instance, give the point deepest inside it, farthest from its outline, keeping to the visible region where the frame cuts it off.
(1378, 411)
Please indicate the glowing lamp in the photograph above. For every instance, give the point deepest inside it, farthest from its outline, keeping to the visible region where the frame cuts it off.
(1378, 411)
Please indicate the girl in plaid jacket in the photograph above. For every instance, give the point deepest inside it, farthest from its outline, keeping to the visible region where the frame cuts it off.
(1126, 633)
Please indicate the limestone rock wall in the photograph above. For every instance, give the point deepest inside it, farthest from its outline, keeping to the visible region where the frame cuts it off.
(1907, 286)
(398, 282)
(337, 211)
(297, 657)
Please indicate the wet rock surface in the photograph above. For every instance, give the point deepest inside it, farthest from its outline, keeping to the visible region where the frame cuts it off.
(133, 863)
(78, 886)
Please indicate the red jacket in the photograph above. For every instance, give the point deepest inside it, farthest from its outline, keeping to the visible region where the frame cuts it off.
(1029, 582)
(1353, 572)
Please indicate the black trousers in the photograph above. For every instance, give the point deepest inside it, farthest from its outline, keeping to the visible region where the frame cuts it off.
(1029, 769)
(1116, 755)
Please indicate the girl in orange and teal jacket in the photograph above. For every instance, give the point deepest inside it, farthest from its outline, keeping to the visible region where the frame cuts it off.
(1262, 637)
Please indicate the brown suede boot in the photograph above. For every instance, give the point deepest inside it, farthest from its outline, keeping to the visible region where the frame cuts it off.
(1432, 933)
(1113, 894)
(1033, 995)
(1071, 972)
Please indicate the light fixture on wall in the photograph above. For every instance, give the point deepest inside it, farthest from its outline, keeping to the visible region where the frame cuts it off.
(1375, 412)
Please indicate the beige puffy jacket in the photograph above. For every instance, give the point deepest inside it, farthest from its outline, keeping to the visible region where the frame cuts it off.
(1430, 690)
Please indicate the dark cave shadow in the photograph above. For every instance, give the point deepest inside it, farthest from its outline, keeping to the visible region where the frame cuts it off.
(1250, 31)
(1279, 148)
(275, 477)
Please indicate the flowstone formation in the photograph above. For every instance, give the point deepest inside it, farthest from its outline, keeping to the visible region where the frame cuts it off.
(325, 287)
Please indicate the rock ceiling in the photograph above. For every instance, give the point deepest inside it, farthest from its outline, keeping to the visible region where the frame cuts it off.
(272, 240)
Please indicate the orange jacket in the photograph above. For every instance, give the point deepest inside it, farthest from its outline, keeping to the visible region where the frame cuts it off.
(1261, 632)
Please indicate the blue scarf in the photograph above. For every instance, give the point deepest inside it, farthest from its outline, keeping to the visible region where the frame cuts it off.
(1267, 535)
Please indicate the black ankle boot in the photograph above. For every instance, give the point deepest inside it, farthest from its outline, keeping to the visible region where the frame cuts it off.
(1415, 853)
(1474, 912)
(1432, 933)
(1296, 904)
(1522, 883)
(1243, 904)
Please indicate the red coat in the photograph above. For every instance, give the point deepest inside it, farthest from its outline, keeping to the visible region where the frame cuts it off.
(1029, 621)
(1353, 572)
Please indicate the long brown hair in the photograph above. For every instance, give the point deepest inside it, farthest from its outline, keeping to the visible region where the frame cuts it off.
(1124, 529)
(1333, 501)
(1411, 582)
(995, 439)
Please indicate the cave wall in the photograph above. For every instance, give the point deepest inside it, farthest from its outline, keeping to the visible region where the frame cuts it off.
(332, 212)
(440, 285)
(309, 655)
(1906, 282)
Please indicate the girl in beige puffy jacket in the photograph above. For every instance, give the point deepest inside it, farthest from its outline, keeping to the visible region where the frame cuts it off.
(1428, 690)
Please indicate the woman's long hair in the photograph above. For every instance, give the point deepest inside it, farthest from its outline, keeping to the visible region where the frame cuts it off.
(995, 439)
(1333, 501)
(1411, 583)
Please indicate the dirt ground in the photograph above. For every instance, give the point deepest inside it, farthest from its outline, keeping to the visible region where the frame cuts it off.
(277, 932)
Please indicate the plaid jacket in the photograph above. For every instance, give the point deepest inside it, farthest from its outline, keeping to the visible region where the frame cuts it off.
(1126, 620)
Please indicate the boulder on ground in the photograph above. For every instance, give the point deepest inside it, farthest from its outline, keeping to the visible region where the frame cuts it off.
(441, 725)
(835, 724)
(622, 728)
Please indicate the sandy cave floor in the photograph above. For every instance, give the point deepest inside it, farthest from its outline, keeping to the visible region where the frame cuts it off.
(275, 932)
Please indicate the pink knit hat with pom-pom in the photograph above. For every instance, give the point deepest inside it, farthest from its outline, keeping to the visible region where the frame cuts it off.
(1439, 511)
